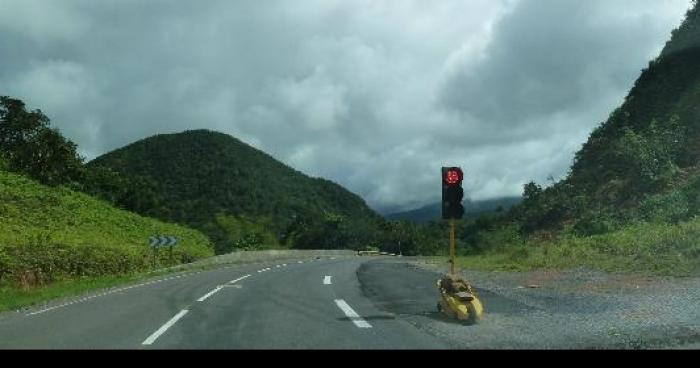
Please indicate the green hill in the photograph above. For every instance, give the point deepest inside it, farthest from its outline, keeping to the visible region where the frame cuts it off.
(52, 233)
(642, 164)
(214, 182)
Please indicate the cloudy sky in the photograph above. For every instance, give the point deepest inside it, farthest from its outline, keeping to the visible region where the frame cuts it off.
(374, 94)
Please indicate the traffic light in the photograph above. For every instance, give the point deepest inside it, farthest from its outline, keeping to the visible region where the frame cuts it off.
(452, 193)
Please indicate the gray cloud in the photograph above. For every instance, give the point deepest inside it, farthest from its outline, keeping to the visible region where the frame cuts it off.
(376, 95)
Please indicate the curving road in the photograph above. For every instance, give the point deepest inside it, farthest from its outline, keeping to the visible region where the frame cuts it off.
(311, 304)
(364, 303)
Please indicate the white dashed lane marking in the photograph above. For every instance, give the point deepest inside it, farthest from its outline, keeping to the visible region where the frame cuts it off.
(151, 339)
(207, 295)
(350, 313)
(218, 288)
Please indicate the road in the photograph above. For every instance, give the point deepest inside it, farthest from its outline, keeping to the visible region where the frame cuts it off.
(327, 303)
(297, 305)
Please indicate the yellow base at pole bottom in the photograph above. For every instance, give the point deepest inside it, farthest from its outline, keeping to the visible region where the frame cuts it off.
(458, 298)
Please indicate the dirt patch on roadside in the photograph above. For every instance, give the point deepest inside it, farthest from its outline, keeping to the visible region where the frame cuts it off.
(580, 280)
(541, 278)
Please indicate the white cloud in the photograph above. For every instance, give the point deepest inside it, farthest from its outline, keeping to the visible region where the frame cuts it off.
(374, 94)
(42, 21)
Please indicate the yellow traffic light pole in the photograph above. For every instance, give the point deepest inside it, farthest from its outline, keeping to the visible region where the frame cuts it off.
(457, 296)
(452, 247)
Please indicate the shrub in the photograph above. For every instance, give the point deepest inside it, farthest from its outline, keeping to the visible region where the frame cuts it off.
(595, 222)
(42, 261)
(670, 207)
(6, 263)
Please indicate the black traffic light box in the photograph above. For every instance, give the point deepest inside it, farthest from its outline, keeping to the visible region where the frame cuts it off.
(452, 193)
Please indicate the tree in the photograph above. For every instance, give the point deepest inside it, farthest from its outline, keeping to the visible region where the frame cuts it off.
(401, 237)
(231, 233)
(645, 161)
(3, 162)
(531, 191)
(132, 193)
(29, 146)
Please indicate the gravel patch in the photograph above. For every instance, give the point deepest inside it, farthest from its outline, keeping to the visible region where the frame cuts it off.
(573, 309)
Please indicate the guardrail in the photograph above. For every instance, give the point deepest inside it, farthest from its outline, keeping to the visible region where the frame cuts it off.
(271, 255)
(368, 253)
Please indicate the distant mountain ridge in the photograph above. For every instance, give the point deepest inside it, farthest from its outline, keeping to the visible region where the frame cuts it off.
(433, 212)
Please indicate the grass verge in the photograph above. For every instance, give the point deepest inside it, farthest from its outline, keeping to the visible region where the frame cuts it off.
(643, 248)
(13, 297)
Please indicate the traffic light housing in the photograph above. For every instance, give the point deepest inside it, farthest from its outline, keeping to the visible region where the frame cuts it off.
(452, 193)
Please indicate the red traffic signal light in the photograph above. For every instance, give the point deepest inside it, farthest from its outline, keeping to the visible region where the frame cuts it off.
(452, 176)
(452, 193)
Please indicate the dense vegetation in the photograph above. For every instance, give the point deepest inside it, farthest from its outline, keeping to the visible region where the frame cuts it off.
(50, 234)
(241, 197)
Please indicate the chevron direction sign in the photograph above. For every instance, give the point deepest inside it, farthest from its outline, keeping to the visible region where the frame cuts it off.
(162, 241)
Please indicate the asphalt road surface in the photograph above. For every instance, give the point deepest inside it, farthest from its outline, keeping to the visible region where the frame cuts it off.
(311, 304)
(328, 303)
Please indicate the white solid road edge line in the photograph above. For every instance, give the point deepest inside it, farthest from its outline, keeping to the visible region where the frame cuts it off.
(354, 317)
(164, 328)
(327, 280)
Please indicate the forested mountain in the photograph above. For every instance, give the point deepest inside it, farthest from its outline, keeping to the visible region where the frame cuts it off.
(213, 181)
(643, 162)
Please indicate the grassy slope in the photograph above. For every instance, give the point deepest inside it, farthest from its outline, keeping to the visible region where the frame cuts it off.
(29, 209)
(56, 236)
